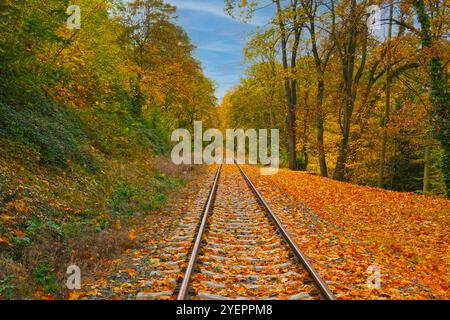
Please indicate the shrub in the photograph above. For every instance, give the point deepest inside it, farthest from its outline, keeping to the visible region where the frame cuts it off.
(46, 128)
(7, 288)
(121, 201)
(46, 279)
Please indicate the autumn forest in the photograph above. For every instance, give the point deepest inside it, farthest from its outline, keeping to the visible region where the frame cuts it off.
(366, 105)
(91, 92)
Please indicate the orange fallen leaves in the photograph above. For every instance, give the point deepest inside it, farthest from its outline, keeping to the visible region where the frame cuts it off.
(132, 235)
(74, 295)
(407, 234)
(41, 295)
(4, 240)
(19, 233)
(18, 205)
(130, 272)
(6, 218)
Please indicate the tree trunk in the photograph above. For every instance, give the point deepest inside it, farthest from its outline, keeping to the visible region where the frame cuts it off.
(321, 66)
(287, 84)
(384, 144)
(303, 163)
(426, 169)
(291, 137)
(388, 99)
(339, 172)
(349, 65)
(320, 130)
(351, 80)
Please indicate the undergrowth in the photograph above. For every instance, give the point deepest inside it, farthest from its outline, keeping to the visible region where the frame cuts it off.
(70, 193)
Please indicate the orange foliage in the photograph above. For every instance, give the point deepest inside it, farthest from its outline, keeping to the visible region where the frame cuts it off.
(406, 234)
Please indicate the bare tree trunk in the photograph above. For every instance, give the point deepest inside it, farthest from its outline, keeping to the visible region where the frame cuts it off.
(385, 136)
(320, 131)
(287, 84)
(339, 172)
(321, 65)
(304, 158)
(426, 169)
(351, 81)
(388, 99)
(348, 69)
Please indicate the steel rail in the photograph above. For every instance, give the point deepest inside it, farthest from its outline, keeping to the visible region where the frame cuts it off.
(317, 279)
(183, 293)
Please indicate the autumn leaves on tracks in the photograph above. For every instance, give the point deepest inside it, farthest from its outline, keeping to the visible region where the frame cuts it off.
(237, 252)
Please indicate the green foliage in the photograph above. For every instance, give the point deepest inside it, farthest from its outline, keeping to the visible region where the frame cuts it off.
(127, 199)
(7, 287)
(406, 168)
(46, 279)
(162, 182)
(158, 200)
(439, 95)
(443, 182)
(36, 225)
(440, 99)
(25, 29)
(21, 242)
(122, 198)
(50, 130)
(62, 91)
(72, 229)
(158, 133)
(120, 133)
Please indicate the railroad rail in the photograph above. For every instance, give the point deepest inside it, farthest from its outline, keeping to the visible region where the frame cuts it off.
(182, 295)
(242, 250)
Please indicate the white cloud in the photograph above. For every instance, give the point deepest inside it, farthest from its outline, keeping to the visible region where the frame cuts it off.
(219, 46)
(216, 9)
(206, 7)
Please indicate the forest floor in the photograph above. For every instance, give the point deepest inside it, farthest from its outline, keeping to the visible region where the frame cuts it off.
(347, 231)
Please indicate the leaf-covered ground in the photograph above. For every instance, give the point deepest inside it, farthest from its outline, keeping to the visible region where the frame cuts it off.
(143, 268)
(344, 229)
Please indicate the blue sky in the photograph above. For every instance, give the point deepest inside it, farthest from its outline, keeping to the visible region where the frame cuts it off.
(219, 39)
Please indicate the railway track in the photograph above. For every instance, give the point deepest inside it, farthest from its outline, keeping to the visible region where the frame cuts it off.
(240, 250)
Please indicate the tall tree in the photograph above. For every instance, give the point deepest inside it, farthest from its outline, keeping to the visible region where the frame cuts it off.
(290, 83)
(350, 37)
(321, 59)
(388, 96)
(290, 25)
(438, 74)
